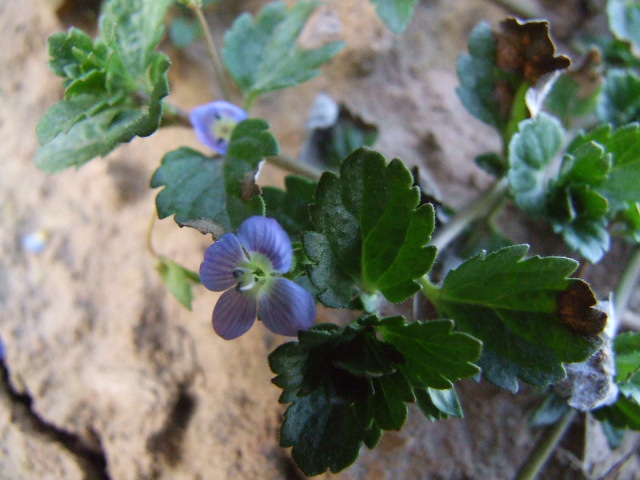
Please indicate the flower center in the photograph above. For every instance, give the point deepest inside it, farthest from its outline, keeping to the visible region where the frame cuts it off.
(254, 275)
(222, 129)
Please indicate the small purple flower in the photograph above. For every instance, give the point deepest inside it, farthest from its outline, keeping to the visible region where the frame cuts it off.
(247, 267)
(214, 122)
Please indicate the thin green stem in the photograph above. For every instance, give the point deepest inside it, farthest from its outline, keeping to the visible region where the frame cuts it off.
(148, 238)
(295, 167)
(218, 68)
(545, 446)
(172, 115)
(627, 283)
(481, 207)
(518, 8)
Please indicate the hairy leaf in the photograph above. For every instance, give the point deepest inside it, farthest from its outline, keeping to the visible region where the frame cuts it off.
(215, 194)
(620, 99)
(113, 85)
(375, 233)
(517, 309)
(264, 55)
(531, 152)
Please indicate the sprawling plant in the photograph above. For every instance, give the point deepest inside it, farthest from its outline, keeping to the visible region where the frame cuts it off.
(362, 235)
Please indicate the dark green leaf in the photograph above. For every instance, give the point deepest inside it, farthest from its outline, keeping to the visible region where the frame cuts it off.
(291, 207)
(396, 13)
(620, 99)
(531, 151)
(215, 195)
(435, 355)
(624, 414)
(178, 280)
(324, 433)
(374, 231)
(513, 306)
(264, 55)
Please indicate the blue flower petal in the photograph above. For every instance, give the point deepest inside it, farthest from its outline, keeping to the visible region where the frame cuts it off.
(265, 235)
(220, 260)
(233, 314)
(204, 117)
(287, 308)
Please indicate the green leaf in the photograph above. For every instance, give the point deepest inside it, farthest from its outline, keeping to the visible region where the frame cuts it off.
(627, 350)
(624, 21)
(396, 13)
(346, 385)
(113, 85)
(184, 31)
(291, 207)
(514, 307)
(215, 194)
(435, 355)
(620, 99)
(324, 432)
(477, 76)
(531, 151)
(374, 233)
(568, 99)
(263, 55)
(438, 404)
(624, 414)
(178, 280)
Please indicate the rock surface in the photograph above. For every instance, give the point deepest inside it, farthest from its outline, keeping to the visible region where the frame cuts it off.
(107, 376)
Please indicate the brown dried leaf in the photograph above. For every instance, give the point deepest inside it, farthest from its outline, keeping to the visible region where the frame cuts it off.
(575, 308)
(527, 49)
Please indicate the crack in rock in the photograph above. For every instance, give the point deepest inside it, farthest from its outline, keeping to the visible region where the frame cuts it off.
(91, 460)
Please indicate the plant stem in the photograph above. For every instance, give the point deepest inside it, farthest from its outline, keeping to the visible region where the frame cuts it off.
(627, 283)
(218, 68)
(462, 220)
(547, 444)
(149, 242)
(295, 167)
(518, 8)
(172, 115)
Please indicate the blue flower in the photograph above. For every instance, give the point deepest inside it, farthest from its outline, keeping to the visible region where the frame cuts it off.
(214, 122)
(247, 267)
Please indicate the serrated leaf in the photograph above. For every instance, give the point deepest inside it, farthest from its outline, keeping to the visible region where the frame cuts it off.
(375, 233)
(435, 355)
(531, 151)
(291, 207)
(324, 433)
(113, 85)
(517, 309)
(263, 55)
(179, 280)
(624, 21)
(396, 14)
(620, 99)
(215, 194)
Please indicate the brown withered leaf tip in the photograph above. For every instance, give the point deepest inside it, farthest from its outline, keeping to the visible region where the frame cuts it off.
(526, 48)
(575, 309)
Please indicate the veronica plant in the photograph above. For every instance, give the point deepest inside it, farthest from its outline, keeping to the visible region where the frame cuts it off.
(364, 235)
(252, 262)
